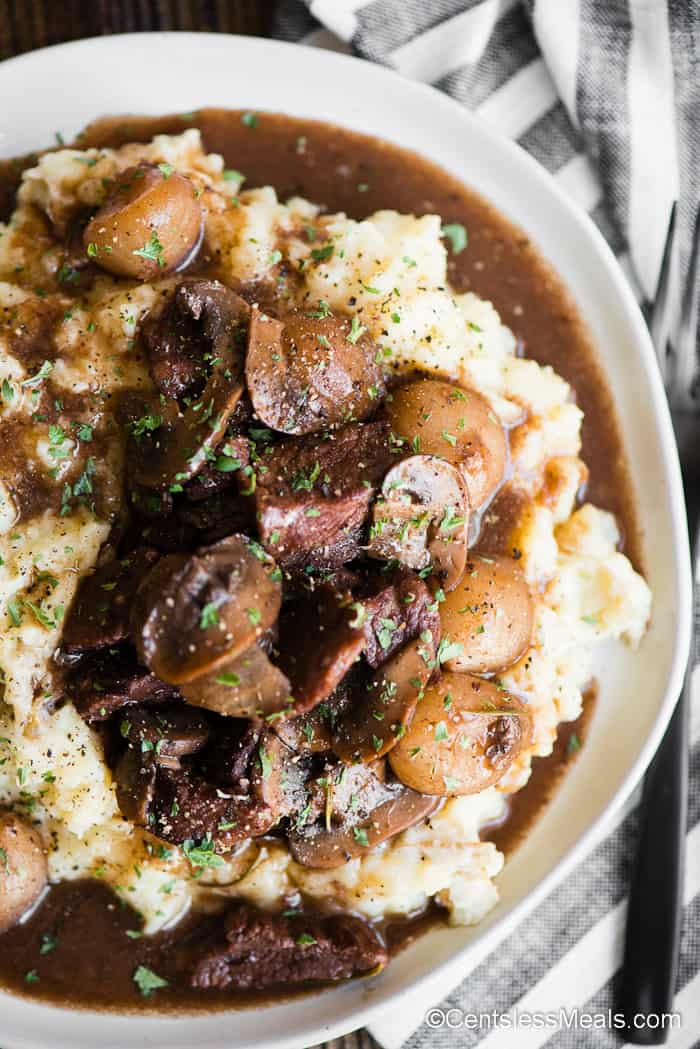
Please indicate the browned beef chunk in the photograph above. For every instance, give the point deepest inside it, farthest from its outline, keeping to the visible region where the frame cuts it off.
(320, 637)
(396, 610)
(313, 494)
(99, 615)
(211, 796)
(215, 518)
(100, 686)
(259, 950)
(178, 338)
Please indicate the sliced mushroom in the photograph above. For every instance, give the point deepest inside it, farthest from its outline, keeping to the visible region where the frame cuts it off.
(193, 613)
(422, 517)
(250, 686)
(437, 418)
(382, 709)
(169, 733)
(23, 868)
(311, 373)
(135, 780)
(149, 225)
(182, 437)
(359, 811)
(313, 731)
(99, 615)
(464, 736)
(490, 614)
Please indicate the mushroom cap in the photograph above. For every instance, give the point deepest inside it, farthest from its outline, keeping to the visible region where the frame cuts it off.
(438, 418)
(382, 710)
(195, 612)
(465, 735)
(310, 373)
(422, 517)
(249, 686)
(23, 868)
(149, 225)
(490, 614)
(179, 446)
(378, 812)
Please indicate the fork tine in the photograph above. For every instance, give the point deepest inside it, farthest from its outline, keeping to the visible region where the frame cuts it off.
(660, 323)
(686, 364)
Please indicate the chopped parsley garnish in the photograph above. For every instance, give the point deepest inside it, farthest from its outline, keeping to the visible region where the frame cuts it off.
(202, 854)
(356, 330)
(249, 120)
(319, 254)
(228, 678)
(43, 373)
(152, 251)
(457, 236)
(573, 744)
(48, 943)
(145, 425)
(8, 392)
(209, 616)
(265, 762)
(166, 171)
(254, 615)
(448, 650)
(441, 733)
(231, 175)
(147, 981)
(323, 310)
(305, 939)
(360, 837)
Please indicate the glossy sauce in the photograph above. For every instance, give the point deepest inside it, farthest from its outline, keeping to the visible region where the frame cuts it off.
(93, 959)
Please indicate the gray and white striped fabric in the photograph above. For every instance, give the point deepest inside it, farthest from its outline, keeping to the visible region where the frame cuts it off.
(606, 95)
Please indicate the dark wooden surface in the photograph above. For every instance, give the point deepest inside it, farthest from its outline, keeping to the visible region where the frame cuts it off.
(26, 25)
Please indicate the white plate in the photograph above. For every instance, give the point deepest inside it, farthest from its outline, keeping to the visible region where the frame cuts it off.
(61, 89)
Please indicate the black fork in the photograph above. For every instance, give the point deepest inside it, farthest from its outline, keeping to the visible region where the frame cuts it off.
(650, 965)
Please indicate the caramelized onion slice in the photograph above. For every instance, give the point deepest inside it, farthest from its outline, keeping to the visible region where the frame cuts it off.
(465, 735)
(311, 373)
(422, 517)
(149, 225)
(194, 612)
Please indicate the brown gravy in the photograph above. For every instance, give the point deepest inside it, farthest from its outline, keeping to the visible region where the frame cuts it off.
(92, 960)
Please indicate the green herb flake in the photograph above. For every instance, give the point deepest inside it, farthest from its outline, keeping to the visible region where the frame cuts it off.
(209, 616)
(457, 236)
(360, 836)
(147, 981)
(152, 251)
(356, 330)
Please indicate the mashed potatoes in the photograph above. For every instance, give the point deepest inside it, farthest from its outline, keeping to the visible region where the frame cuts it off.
(390, 270)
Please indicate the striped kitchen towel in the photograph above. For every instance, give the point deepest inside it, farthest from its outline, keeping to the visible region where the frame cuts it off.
(606, 95)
